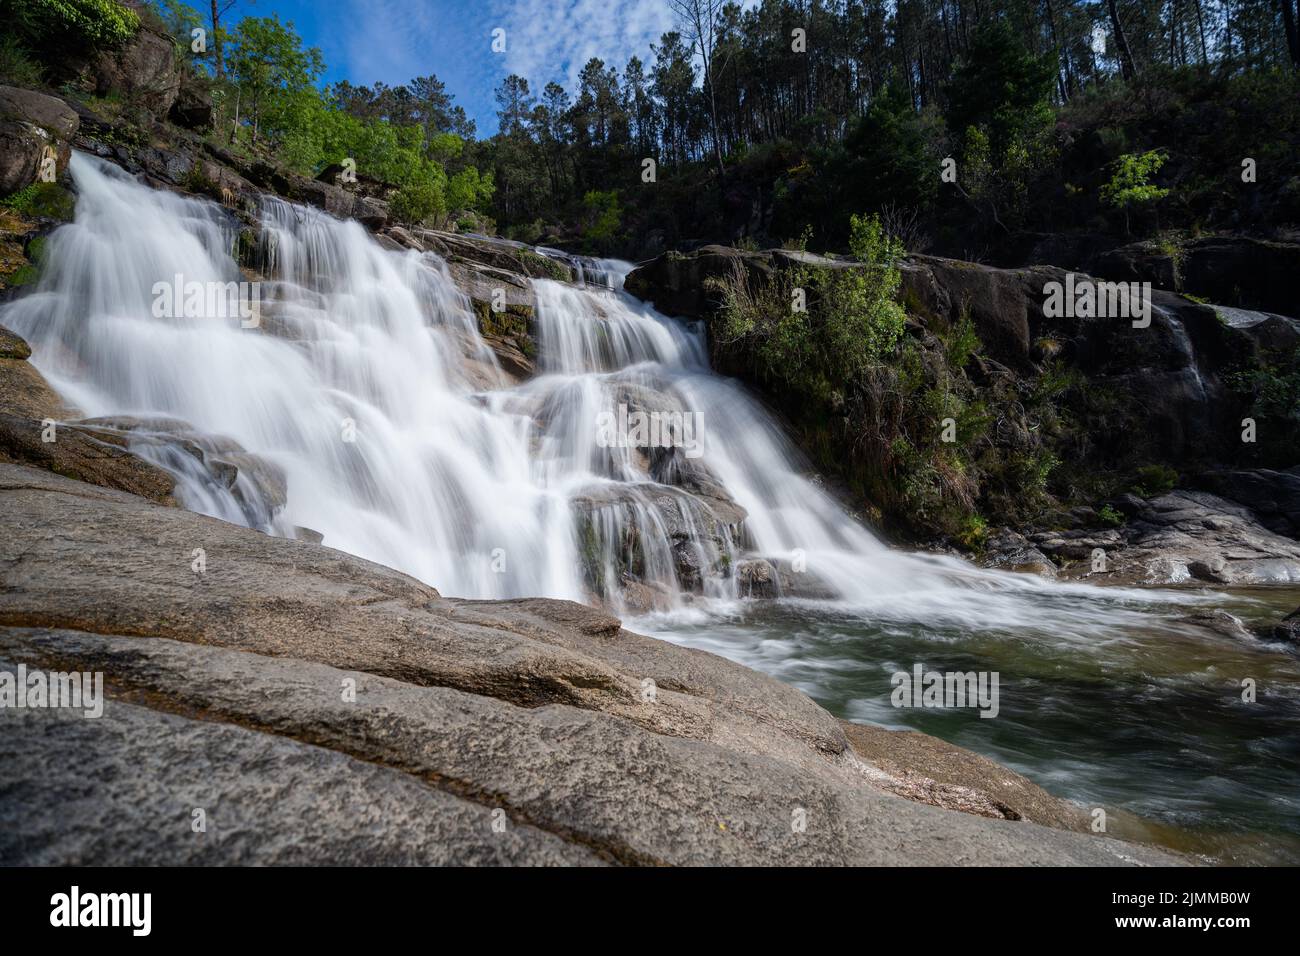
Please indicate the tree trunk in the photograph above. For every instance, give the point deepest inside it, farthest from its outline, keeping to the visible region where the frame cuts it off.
(1126, 64)
(216, 42)
(1292, 39)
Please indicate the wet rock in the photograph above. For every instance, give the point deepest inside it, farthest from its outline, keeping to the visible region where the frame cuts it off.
(1013, 552)
(1287, 629)
(23, 390)
(757, 579)
(776, 576)
(1184, 537)
(514, 362)
(13, 346)
(1220, 621)
(334, 200)
(503, 255)
(74, 453)
(371, 213)
(594, 743)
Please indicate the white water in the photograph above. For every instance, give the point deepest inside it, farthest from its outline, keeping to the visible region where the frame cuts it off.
(480, 489)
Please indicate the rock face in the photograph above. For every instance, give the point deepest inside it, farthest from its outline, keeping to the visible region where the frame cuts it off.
(144, 71)
(1233, 270)
(1093, 399)
(193, 107)
(32, 127)
(1170, 370)
(1274, 496)
(319, 708)
(1185, 537)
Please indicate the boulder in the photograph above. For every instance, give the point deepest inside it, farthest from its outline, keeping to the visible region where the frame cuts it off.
(39, 109)
(1184, 537)
(1238, 270)
(502, 255)
(145, 72)
(78, 454)
(336, 201)
(1288, 629)
(23, 390)
(323, 709)
(1273, 496)
(13, 346)
(33, 126)
(371, 213)
(193, 107)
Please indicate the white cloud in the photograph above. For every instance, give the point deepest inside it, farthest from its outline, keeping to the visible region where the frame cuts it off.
(553, 39)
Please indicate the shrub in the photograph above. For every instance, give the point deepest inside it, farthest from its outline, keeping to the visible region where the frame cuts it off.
(17, 68)
(1155, 480)
(1110, 517)
(418, 201)
(82, 24)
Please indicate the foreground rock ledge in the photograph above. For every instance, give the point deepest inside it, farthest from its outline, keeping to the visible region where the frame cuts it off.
(225, 693)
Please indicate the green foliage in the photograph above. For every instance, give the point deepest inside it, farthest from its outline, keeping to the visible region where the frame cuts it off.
(851, 320)
(274, 77)
(1155, 480)
(1271, 396)
(1130, 185)
(961, 342)
(41, 200)
(421, 199)
(72, 24)
(1110, 517)
(468, 191)
(603, 215)
(1002, 88)
(972, 532)
(17, 66)
(888, 155)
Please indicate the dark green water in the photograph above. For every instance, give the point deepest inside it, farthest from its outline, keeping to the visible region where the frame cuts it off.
(1146, 717)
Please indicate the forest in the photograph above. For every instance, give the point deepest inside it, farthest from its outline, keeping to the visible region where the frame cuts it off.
(965, 124)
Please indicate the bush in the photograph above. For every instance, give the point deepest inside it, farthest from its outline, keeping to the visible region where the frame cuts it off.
(17, 68)
(80, 24)
(1155, 480)
(418, 201)
(603, 216)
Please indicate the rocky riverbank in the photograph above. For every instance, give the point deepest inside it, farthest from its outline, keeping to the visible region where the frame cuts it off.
(317, 708)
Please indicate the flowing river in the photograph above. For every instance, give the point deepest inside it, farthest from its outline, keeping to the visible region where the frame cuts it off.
(364, 381)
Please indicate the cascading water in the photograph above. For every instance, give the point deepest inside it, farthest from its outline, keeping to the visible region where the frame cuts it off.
(365, 405)
(355, 384)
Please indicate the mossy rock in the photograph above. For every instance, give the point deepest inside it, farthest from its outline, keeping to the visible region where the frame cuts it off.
(42, 201)
(544, 267)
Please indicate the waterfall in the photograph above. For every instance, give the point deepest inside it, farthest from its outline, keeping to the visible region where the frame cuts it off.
(364, 384)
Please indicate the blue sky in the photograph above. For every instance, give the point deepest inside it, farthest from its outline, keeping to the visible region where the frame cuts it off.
(364, 41)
